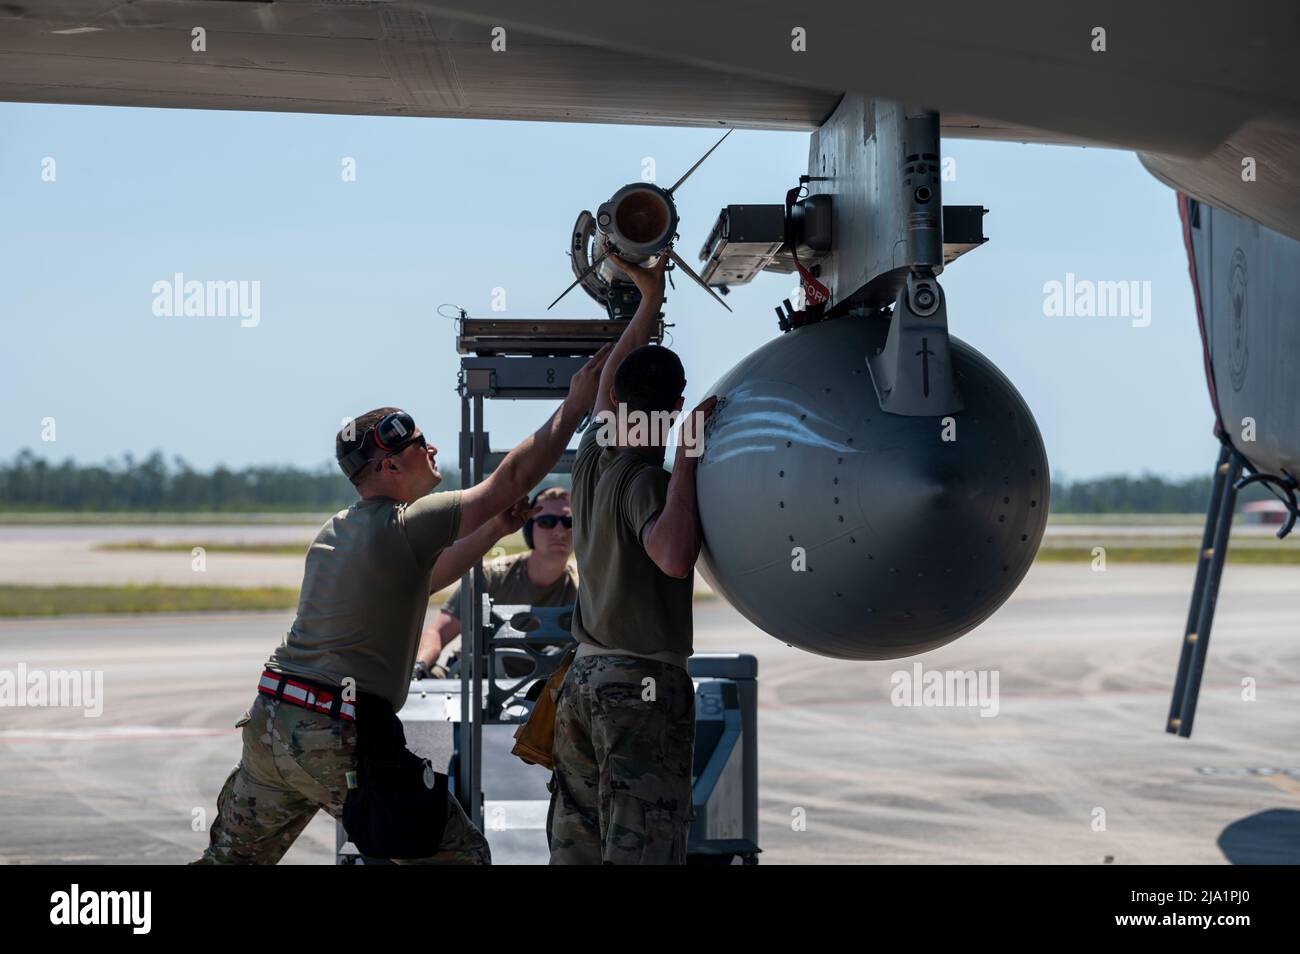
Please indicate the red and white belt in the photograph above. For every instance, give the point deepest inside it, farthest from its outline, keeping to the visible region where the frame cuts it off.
(300, 692)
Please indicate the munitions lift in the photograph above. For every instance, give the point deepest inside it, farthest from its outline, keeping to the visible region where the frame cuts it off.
(514, 359)
(534, 359)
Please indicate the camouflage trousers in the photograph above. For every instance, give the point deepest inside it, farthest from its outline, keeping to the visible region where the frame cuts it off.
(624, 740)
(295, 762)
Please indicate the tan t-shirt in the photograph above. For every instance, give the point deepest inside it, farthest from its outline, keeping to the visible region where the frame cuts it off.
(365, 593)
(506, 581)
(624, 600)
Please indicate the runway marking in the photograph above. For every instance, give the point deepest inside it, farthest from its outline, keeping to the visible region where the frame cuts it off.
(1288, 785)
(109, 733)
(1047, 696)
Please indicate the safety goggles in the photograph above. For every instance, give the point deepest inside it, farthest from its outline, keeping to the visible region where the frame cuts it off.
(418, 440)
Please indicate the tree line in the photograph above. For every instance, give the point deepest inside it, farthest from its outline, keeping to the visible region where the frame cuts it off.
(1146, 493)
(30, 483)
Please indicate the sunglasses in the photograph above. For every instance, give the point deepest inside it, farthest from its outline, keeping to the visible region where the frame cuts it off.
(418, 440)
(547, 521)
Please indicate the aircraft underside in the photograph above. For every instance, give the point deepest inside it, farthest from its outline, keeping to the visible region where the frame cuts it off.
(1208, 96)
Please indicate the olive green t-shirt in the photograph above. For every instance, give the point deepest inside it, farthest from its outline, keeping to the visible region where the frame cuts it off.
(624, 600)
(365, 593)
(506, 581)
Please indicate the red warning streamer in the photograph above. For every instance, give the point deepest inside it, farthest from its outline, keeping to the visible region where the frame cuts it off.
(814, 292)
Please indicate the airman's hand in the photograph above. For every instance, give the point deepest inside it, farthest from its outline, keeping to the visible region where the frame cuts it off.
(510, 520)
(584, 385)
(649, 281)
(690, 446)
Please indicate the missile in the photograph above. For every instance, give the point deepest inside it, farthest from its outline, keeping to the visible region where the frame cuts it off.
(639, 225)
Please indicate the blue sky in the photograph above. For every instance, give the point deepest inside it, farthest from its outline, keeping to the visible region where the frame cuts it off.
(441, 211)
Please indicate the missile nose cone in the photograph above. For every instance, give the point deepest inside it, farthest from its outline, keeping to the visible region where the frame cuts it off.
(640, 219)
(854, 533)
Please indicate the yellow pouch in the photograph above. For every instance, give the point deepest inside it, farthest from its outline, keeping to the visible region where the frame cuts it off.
(535, 738)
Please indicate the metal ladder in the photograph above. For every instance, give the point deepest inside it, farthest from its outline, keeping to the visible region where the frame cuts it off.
(1205, 594)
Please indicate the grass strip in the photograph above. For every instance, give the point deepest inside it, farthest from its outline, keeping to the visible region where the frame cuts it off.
(1258, 556)
(68, 600)
(510, 546)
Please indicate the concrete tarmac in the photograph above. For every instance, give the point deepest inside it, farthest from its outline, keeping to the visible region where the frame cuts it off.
(48, 555)
(1074, 767)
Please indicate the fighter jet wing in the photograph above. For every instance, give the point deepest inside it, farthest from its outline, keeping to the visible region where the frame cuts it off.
(1195, 89)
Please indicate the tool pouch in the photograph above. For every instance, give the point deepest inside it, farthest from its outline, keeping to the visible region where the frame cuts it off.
(535, 738)
(398, 807)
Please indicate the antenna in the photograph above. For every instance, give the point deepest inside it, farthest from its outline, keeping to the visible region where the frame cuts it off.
(699, 162)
